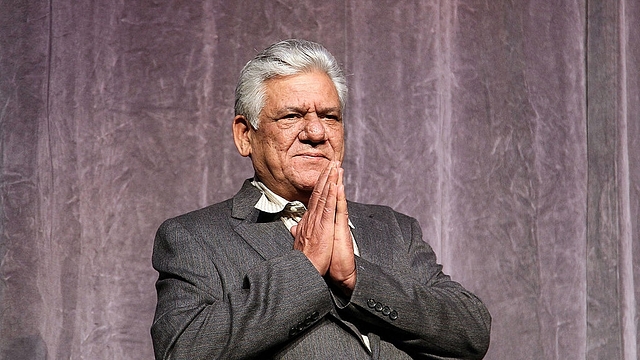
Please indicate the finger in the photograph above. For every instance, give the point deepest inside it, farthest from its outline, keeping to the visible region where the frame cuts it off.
(342, 213)
(316, 213)
(342, 269)
(318, 188)
(315, 231)
(342, 216)
(342, 233)
(329, 211)
(323, 217)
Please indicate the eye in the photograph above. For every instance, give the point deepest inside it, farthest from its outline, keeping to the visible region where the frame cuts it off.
(331, 117)
(291, 116)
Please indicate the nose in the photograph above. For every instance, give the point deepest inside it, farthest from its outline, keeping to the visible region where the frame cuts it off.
(313, 130)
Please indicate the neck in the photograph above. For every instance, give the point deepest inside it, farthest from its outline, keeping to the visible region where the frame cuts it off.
(289, 196)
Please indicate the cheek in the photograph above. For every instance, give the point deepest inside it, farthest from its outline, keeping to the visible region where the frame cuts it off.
(337, 144)
(277, 146)
(284, 141)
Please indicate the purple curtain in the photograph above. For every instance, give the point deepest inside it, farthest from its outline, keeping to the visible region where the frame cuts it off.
(509, 129)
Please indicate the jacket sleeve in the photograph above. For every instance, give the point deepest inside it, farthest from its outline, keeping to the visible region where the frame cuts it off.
(413, 305)
(196, 319)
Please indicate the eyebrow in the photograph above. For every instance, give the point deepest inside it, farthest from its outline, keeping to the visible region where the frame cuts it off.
(305, 110)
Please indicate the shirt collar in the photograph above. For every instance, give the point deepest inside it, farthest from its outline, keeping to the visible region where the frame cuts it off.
(273, 203)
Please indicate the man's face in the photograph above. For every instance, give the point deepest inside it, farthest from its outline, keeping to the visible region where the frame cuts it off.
(300, 131)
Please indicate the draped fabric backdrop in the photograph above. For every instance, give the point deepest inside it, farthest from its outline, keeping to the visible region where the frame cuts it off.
(509, 129)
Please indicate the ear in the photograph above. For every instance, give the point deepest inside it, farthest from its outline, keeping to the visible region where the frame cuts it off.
(242, 135)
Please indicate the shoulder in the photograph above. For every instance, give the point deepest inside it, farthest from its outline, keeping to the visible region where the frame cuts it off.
(213, 214)
(239, 206)
(207, 214)
(371, 216)
(379, 212)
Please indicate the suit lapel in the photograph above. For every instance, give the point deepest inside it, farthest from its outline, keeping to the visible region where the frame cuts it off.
(269, 237)
(372, 237)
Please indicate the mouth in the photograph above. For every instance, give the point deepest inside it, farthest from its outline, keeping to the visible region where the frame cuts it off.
(315, 156)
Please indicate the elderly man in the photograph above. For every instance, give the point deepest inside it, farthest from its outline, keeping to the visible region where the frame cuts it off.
(288, 268)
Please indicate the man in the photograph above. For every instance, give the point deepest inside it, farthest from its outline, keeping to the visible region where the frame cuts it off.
(288, 268)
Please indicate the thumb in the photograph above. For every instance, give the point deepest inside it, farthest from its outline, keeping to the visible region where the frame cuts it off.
(294, 230)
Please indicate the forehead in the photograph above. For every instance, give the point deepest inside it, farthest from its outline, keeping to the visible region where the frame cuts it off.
(308, 89)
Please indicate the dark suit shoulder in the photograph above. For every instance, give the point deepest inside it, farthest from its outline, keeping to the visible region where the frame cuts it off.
(402, 224)
(213, 213)
(378, 212)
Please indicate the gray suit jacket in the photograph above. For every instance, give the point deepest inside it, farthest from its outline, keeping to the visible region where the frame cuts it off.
(231, 286)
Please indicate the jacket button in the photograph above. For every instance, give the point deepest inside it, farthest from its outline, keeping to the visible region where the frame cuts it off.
(386, 310)
(371, 303)
(379, 307)
(393, 315)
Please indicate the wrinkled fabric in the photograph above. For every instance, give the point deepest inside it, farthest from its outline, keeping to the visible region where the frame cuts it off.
(509, 129)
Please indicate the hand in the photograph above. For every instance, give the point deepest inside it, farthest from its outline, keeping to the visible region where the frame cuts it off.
(342, 270)
(314, 233)
(323, 234)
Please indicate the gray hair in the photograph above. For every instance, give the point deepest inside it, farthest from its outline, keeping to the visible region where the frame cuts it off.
(284, 58)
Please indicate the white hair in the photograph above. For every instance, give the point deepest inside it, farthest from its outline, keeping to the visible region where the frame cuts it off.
(284, 58)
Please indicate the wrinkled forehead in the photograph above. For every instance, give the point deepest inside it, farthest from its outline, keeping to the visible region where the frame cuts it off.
(305, 91)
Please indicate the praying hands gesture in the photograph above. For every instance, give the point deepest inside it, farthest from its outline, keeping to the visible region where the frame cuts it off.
(323, 234)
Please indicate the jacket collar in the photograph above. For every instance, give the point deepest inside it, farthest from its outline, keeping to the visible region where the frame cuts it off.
(244, 201)
(264, 232)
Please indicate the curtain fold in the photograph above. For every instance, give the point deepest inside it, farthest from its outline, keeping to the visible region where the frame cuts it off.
(509, 129)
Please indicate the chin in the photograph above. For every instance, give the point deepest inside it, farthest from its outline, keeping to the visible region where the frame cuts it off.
(306, 186)
(307, 183)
